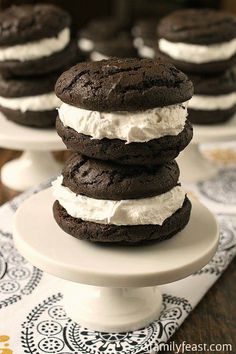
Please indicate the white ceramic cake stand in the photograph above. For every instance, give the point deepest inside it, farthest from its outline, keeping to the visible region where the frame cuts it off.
(112, 288)
(193, 166)
(36, 163)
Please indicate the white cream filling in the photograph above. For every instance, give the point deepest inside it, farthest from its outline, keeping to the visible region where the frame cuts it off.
(138, 42)
(208, 103)
(146, 52)
(139, 126)
(45, 102)
(86, 45)
(154, 210)
(96, 56)
(194, 53)
(37, 49)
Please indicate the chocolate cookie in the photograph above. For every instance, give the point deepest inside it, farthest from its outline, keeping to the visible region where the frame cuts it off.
(156, 151)
(95, 232)
(52, 63)
(198, 26)
(145, 28)
(27, 23)
(35, 119)
(28, 86)
(101, 29)
(123, 85)
(121, 47)
(214, 100)
(212, 67)
(107, 180)
(198, 40)
(145, 37)
(30, 101)
(34, 39)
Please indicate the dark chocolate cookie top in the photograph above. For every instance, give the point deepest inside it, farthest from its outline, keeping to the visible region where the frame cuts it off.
(123, 85)
(214, 84)
(30, 86)
(198, 26)
(26, 23)
(107, 180)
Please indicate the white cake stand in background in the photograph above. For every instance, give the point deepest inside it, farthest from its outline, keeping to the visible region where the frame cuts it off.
(193, 166)
(36, 163)
(112, 288)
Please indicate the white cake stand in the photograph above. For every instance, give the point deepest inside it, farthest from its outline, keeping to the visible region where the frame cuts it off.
(36, 163)
(112, 288)
(193, 166)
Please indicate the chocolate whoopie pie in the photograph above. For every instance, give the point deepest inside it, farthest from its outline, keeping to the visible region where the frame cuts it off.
(148, 49)
(145, 28)
(214, 99)
(132, 111)
(34, 40)
(198, 40)
(121, 47)
(30, 101)
(104, 202)
(98, 30)
(145, 37)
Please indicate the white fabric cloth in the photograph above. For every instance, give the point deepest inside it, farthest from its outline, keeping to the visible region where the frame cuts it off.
(32, 319)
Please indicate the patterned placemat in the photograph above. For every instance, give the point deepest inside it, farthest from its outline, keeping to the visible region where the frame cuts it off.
(32, 318)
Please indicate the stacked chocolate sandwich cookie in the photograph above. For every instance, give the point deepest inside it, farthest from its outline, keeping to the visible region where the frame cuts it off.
(35, 48)
(120, 47)
(105, 37)
(126, 121)
(202, 43)
(145, 37)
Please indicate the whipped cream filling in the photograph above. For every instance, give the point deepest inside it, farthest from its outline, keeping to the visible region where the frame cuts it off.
(194, 53)
(96, 56)
(138, 126)
(209, 103)
(146, 52)
(86, 45)
(45, 102)
(146, 211)
(36, 49)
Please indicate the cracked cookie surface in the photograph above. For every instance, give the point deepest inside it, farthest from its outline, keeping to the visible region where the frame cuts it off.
(27, 23)
(107, 180)
(198, 26)
(123, 85)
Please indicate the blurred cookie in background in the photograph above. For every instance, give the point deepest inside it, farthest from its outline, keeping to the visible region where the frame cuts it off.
(148, 49)
(120, 47)
(30, 101)
(34, 40)
(98, 30)
(214, 99)
(145, 28)
(199, 40)
(144, 32)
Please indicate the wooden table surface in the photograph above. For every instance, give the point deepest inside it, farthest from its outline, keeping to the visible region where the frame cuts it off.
(213, 320)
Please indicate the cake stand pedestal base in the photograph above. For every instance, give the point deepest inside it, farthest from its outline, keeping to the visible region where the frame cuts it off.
(112, 309)
(36, 164)
(31, 168)
(107, 287)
